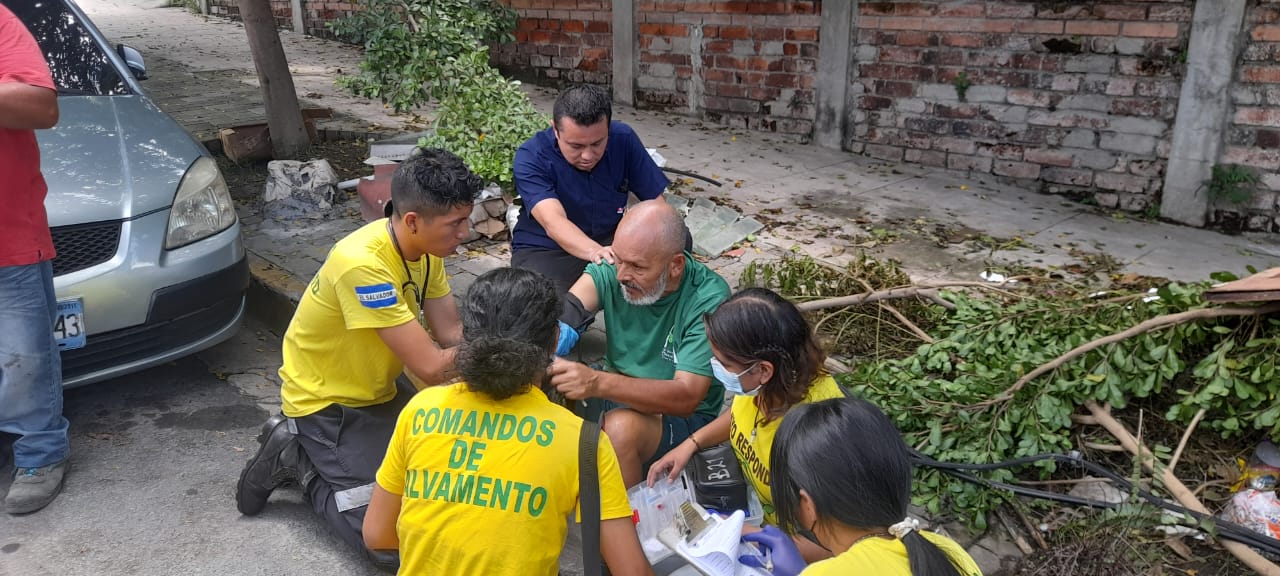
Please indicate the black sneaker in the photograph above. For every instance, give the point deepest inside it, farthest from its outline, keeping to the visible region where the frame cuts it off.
(270, 468)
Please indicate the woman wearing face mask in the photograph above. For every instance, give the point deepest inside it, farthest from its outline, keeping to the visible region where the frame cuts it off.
(764, 351)
(842, 479)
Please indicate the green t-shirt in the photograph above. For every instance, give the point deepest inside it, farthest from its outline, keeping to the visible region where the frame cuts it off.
(657, 340)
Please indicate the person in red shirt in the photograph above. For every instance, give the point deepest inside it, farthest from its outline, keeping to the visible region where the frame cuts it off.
(30, 367)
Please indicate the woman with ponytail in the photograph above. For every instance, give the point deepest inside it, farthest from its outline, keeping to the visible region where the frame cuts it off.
(842, 479)
(764, 351)
(480, 475)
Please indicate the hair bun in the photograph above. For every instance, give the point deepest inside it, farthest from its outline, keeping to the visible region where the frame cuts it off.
(506, 365)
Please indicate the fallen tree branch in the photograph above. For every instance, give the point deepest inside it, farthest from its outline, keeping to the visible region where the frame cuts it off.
(921, 334)
(1031, 528)
(834, 366)
(869, 297)
(1186, 435)
(1152, 324)
(1177, 489)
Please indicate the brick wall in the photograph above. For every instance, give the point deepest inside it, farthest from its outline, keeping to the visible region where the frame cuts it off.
(560, 42)
(745, 64)
(1079, 96)
(315, 13)
(1254, 137)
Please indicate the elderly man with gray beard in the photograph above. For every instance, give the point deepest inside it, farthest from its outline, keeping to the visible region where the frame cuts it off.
(656, 385)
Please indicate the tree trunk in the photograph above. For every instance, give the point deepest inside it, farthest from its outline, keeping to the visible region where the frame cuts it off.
(284, 116)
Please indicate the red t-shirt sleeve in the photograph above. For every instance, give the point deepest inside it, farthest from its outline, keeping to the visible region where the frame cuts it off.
(20, 57)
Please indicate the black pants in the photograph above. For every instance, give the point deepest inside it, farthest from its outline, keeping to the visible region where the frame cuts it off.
(561, 267)
(346, 446)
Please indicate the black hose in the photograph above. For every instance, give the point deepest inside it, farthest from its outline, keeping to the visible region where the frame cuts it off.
(1224, 529)
(691, 175)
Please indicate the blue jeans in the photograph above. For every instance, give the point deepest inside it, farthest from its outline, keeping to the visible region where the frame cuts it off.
(30, 367)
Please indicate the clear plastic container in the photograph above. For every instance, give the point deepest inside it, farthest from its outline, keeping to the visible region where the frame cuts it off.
(654, 508)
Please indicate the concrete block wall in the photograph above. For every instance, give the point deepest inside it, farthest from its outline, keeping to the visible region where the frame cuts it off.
(1253, 139)
(744, 64)
(1078, 97)
(560, 42)
(315, 13)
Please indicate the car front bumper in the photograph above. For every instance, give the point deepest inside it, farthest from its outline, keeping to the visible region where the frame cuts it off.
(147, 306)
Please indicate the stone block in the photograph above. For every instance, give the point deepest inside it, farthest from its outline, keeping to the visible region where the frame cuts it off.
(926, 157)
(1130, 143)
(1023, 97)
(1080, 138)
(1147, 168)
(1130, 46)
(1095, 64)
(911, 105)
(1012, 114)
(1069, 119)
(1259, 222)
(1147, 126)
(882, 152)
(970, 163)
(1091, 102)
(1134, 202)
(985, 93)
(1121, 182)
(1069, 176)
(1107, 199)
(1058, 158)
(1025, 170)
(1095, 160)
(943, 92)
(955, 145)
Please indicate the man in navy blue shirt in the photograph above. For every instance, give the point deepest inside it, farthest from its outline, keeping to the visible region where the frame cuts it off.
(573, 179)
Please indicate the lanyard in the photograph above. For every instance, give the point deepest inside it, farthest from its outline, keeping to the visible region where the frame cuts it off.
(410, 284)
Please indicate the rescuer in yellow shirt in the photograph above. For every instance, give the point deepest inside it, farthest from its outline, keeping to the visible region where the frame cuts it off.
(825, 451)
(358, 328)
(480, 476)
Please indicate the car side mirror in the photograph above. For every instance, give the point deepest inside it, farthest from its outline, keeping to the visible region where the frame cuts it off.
(133, 59)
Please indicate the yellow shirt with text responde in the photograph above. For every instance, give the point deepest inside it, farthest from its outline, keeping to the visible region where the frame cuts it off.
(752, 438)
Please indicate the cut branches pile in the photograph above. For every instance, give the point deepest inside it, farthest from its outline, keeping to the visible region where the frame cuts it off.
(1003, 371)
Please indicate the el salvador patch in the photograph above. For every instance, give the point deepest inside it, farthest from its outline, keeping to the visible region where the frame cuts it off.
(376, 296)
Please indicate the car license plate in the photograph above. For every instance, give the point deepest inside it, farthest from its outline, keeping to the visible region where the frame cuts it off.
(68, 329)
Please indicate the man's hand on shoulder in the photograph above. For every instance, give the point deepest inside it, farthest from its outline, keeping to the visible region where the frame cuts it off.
(575, 380)
(604, 254)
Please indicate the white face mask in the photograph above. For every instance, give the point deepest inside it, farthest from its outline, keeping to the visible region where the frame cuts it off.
(732, 381)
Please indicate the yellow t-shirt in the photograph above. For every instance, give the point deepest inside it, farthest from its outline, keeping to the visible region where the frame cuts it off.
(753, 440)
(486, 486)
(332, 352)
(888, 557)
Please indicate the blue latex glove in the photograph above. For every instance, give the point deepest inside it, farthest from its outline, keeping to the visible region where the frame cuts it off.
(781, 550)
(568, 339)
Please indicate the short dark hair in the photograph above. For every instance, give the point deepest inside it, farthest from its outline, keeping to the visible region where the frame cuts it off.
(509, 319)
(585, 104)
(757, 324)
(433, 183)
(851, 460)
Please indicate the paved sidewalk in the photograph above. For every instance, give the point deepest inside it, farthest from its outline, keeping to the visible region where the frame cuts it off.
(824, 203)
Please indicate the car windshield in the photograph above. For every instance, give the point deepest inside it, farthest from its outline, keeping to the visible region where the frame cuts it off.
(79, 65)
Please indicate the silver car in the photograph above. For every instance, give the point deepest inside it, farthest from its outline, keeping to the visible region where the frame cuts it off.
(150, 265)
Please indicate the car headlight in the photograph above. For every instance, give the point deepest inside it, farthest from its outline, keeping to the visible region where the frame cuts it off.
(202, 206)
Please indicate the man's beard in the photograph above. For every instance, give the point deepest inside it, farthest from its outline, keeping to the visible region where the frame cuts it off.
(646, 298)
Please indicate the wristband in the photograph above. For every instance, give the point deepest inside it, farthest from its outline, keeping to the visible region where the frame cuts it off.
(695, 442)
